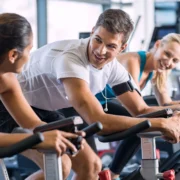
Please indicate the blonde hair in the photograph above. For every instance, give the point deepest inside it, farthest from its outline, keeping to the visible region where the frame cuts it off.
(160, 79)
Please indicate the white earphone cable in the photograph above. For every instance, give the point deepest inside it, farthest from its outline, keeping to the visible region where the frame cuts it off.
(106, 99)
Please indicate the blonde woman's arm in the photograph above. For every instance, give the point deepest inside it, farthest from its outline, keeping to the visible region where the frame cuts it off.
(163, 96)
(132, 64)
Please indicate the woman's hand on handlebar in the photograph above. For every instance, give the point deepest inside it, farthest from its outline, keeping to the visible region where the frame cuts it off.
(58, 141)
(83, 134)
(171, 130)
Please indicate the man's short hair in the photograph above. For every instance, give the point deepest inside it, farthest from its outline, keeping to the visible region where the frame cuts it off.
(116, 21)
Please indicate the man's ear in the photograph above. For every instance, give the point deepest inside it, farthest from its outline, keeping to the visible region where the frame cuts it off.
(123, 47)
(93, 29)
(13, 55)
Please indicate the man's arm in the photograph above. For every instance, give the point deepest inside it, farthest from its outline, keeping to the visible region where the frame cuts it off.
(16, 104)
(89, 108)
(135, 103)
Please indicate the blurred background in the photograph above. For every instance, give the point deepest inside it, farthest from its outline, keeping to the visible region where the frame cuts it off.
(54, 20)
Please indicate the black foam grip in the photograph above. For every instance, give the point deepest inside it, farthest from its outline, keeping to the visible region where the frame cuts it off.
(77, 143)
(60, 124)
(165, 113)
(21, 146)
(127, 133)
(92, 129)
(89, 130)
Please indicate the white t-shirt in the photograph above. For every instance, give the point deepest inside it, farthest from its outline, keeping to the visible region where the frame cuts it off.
(40, 78)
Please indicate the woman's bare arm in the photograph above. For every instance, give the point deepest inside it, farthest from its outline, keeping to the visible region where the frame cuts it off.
(15, 102)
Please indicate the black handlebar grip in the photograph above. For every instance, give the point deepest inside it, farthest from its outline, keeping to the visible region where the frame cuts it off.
(21, 146)
(89, 130)
(77, 143)
(165, 113)
(92, 129)
(127, 133)
(55, 125)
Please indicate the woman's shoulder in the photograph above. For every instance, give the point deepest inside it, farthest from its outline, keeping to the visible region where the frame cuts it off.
(130, 60)
(7, 81)
(128, 56)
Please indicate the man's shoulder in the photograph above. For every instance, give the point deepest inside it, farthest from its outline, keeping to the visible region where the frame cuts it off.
(117, 69)
(77, 46)
(77, 50)
(62, 46)
(115, 64)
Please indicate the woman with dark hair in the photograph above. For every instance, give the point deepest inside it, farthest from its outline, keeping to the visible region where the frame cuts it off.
(16, 41)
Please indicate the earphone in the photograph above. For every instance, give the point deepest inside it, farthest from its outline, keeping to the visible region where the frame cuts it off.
(106, 107)
(105, 97)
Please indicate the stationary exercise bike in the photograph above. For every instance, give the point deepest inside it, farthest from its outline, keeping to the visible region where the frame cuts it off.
(52, 164)
(149, 169)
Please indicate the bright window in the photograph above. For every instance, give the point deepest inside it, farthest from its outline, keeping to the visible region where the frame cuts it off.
(26, 8)
(67, 19)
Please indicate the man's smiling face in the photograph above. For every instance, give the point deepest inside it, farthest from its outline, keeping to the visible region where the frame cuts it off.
(104, 46)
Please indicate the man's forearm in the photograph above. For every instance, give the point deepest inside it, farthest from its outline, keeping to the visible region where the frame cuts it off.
(113, 123)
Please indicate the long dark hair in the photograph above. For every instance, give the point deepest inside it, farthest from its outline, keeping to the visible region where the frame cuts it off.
(15, 33)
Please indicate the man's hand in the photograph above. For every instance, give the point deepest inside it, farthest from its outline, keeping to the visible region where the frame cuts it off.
(171, 130)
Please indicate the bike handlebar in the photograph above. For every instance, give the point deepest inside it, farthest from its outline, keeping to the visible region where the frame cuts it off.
(127, 133)
(21, 146)
(60, 124)
(92, 129)
(165, 113)
(71, 122)
(89, 130)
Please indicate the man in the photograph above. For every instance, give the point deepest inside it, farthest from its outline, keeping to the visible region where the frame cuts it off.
(66, 75)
